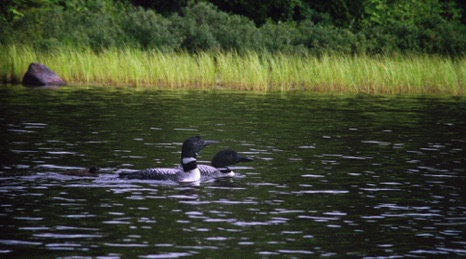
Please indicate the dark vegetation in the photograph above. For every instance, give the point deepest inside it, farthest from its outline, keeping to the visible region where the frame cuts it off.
(300, 26)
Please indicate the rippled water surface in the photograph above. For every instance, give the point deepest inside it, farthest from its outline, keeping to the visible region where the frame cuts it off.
(345, 175)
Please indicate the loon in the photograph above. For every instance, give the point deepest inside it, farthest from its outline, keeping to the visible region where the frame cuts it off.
(90, 172)
(220, 163)
(187, 172)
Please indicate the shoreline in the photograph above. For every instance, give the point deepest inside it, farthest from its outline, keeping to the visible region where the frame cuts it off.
(252, 71)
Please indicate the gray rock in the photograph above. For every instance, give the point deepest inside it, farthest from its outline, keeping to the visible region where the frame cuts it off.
(40, 75)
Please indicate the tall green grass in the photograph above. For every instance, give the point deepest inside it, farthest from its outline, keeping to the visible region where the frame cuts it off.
(248, 71)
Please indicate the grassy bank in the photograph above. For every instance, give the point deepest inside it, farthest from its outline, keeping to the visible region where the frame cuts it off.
(250, 71)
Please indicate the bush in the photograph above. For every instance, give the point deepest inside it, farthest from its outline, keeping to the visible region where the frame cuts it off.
(379, 40)
(6, 32)
(237, 33)
(320, 39)
(149, 30)
(53, 27)
(94, 30)
(281, 37)
(429, 36)
(442, 37)
(203, 27)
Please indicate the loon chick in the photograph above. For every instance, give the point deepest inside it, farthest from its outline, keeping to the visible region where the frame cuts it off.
(90, 172)
(220, 164)
(188, 172)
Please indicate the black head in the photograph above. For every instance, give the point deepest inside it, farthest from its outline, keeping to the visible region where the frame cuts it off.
(189, 151)
(228, 157)
(94, 170)
(194, 145)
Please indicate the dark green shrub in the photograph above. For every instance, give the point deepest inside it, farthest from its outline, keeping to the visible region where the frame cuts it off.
(46, 28)
(407, 37)
(101, 30)
(442, 37)
(107, 23)
(6, 32)
(431, 35)
(195, 27)
(236, 33)
(149, 30)
(379, 40)
(203, 27)
(416, 27)
(320, 39)
(281, 37)
(28, 29)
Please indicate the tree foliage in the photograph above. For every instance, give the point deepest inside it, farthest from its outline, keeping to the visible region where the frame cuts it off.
(304, 26)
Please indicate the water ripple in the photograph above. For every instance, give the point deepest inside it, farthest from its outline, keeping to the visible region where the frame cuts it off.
(350, 176)
(322, 192)
(66, 236)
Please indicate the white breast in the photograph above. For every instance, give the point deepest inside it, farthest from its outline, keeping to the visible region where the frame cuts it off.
(229, 174)
(190, 176)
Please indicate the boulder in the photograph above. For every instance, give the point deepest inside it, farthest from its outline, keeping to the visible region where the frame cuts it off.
(40, 75)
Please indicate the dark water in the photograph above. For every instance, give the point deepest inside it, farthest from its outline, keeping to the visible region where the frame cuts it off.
(334, 175)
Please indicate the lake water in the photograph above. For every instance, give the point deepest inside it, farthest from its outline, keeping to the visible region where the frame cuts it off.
(333, 175)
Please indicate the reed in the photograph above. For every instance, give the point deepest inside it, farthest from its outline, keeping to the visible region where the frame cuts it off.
(247, 71)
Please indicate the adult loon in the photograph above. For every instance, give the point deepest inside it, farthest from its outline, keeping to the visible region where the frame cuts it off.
(90, 172)
(188, 172)
(220, 163)
(218, 169)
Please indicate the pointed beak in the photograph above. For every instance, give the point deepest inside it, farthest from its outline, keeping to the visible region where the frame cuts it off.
(244, 159)
(209, 142)
(202, 143)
